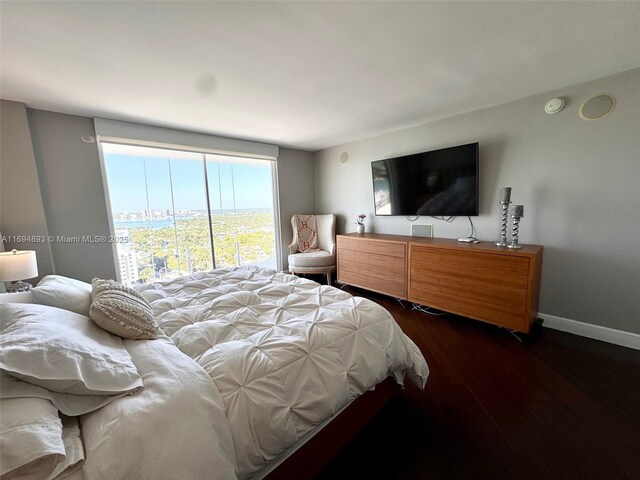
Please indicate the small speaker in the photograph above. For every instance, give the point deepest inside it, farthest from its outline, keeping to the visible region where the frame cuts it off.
(344, 158)
(422, 230)
(597, 107)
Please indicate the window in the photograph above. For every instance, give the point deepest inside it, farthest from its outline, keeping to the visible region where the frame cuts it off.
(175, 213)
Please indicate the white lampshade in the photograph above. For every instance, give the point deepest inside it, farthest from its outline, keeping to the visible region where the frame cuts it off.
(18, 265)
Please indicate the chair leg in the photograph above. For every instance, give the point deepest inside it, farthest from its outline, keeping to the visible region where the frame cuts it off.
(329, 278)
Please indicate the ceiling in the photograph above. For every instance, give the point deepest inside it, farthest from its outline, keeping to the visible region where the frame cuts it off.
(304, 75)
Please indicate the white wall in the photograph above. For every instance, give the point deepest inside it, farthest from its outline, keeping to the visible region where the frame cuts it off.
(579, 182)
(296, 186)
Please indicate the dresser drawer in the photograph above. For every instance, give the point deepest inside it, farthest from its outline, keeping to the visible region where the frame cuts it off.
(373, 264)
(394, 273)
(375, 280)
(488, 287)
(388, 249)
(394, 263)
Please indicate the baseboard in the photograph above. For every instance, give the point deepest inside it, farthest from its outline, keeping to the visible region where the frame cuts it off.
(605, 334)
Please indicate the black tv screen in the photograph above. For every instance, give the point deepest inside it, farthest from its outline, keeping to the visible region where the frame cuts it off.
(436, 183)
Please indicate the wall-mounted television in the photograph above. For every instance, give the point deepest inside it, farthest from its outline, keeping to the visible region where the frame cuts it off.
(436, 183)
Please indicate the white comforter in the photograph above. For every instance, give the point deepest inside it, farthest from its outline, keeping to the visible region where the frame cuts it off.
(175, 428)
(284, 354)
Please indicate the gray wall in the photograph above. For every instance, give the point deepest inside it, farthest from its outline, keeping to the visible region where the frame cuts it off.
(72, 193)
(579, 182)
(21, 211)
(296, 186)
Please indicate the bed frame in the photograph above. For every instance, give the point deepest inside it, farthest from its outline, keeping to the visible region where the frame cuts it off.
(313, 456)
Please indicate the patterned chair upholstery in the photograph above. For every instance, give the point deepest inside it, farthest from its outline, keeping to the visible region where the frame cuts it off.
(322, 260)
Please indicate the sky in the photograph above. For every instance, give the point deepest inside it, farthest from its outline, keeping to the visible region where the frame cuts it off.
(249, 184)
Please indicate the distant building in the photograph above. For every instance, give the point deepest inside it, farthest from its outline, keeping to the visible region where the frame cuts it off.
(126, 258)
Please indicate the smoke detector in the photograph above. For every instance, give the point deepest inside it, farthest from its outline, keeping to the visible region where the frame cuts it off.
(554, 105)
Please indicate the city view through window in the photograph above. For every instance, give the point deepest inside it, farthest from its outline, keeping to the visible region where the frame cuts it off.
(169, 224)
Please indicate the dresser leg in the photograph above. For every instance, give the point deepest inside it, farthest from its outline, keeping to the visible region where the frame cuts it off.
(516, 334)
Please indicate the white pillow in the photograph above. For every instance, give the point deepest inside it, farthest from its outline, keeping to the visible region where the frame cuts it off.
(31, 444)
(66, 403)
(63, 351)
(18, 297)
(63, 292)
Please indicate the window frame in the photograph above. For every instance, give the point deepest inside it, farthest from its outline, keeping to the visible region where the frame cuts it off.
(200, 151)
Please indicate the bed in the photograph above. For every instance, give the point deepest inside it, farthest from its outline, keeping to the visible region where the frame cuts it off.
(251, 364)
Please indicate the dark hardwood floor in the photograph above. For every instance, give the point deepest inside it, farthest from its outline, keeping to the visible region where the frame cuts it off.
(554, 406)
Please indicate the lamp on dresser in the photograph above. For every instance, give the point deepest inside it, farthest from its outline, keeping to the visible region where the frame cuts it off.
(16, 266)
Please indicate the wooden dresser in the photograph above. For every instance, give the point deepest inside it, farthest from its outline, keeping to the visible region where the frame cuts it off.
(480, 281)
(374, 262)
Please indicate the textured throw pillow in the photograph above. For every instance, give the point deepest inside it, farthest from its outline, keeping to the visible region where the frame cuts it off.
(63, 292)
(63, 352)
(122, 311)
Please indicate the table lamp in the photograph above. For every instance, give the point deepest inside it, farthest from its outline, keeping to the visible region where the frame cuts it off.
(16, 266)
